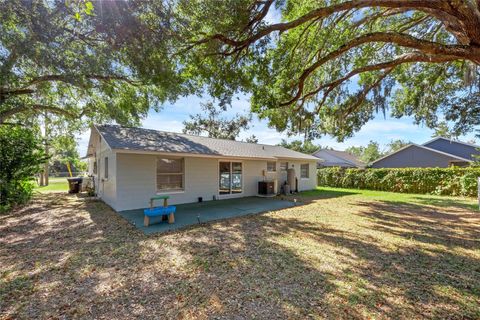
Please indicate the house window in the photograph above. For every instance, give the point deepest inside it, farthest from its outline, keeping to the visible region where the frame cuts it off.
(230, 177)
(271, 166)
(304, 170)
(283, 166)
(170, 174)
(105, 173)
(94, 166)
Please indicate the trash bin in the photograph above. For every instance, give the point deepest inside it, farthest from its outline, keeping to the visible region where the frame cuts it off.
(74, 184)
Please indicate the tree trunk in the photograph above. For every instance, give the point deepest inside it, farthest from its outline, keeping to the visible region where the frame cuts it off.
(44, 174)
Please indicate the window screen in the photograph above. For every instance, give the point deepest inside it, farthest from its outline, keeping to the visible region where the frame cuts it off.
(304, 170)
(271, 166)
(170, 174)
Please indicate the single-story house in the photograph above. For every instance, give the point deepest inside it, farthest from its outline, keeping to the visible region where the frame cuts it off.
(130, 165)
(439, 152)
(335, 158)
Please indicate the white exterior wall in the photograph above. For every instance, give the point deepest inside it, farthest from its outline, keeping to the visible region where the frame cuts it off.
(106, 188)
(305, 183)
(136, 180)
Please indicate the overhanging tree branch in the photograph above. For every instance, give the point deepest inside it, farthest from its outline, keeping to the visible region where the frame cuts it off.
(71, 79)
(424, 5)
(4, 115)
(66, 78)
(405, 58)
(403, 40)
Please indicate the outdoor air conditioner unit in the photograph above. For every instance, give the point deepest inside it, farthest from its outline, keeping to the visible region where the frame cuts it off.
(266, 188)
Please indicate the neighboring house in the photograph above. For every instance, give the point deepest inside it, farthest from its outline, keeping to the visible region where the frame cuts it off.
(130, 165)
(334, 158)
(439, 152)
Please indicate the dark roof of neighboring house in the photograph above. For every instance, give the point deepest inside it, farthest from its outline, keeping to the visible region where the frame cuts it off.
(344, 158)
(139, 139)
(423, 147)
(454, 147)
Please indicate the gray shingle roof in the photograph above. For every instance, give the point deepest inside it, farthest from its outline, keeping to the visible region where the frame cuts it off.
(139, 139)
(344, 158)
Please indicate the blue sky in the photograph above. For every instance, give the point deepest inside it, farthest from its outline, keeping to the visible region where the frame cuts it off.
(380, 129)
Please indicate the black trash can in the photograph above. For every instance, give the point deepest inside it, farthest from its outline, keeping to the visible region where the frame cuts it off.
(74, 184)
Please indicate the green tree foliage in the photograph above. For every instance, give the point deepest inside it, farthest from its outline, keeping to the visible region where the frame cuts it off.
(214, 125)
(443, 130)
(66, 64)
(82, 61)
(65, 153)
(21, 155)
(329, 66)
(301, 146)
(367, 154)
(443, 181)
(252, 139)
(396, 145)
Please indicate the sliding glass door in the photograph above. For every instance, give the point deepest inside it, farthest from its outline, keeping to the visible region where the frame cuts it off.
(230, 177)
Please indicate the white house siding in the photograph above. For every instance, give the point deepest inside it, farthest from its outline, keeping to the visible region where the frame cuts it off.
(105, 188)
(136, 179)
(305, 184)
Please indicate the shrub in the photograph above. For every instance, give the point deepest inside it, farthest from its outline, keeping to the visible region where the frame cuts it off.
(444, 181)
(21, 156)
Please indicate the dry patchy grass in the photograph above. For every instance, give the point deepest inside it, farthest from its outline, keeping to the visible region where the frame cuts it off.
(342, 255)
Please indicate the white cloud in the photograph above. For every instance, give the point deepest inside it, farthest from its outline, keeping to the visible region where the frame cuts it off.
(157, 123)
(273, 16)
(384, 126)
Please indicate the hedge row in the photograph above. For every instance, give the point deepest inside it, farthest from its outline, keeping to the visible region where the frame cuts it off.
(443, 181)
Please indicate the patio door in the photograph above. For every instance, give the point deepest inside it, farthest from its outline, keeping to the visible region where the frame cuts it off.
(230, 177)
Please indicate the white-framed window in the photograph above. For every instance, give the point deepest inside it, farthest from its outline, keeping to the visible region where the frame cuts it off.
(105, 171)
(230, 177)
(283, 166)
(94, 166)
(304, 170)
(271, 166)
(170, 174)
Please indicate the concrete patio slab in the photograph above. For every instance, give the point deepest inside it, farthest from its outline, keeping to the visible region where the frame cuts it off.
(195, 213)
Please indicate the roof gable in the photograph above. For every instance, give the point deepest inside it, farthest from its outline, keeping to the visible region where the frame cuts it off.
(422, 147)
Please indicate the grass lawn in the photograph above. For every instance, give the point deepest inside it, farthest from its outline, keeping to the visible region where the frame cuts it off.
(342, 254)
(54, 185)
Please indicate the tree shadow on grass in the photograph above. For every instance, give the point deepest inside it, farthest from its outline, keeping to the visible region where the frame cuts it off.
(371, 278)
(438, 263)
(64, 257)
(50, 251)
(319, 194)
(429, 225)
(447, 202)
(88, 262)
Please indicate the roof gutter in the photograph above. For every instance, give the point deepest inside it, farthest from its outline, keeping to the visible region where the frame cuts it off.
(192, 155)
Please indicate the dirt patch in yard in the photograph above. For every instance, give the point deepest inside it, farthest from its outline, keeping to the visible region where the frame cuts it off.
(343, 256)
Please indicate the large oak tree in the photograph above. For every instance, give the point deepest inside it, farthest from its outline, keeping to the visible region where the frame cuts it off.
(82, 60)
(66, 64)
(329, 66)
